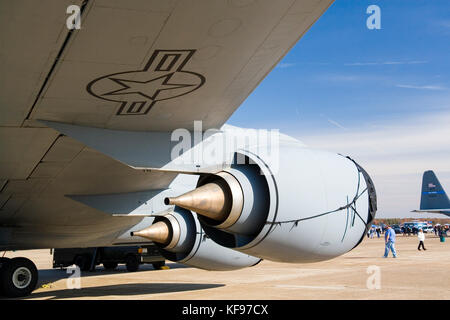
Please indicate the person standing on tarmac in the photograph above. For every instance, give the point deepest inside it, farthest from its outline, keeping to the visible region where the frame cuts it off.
(421, 237)
(389, 238)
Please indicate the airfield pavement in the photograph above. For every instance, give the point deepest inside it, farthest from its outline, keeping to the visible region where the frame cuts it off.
(413, 275)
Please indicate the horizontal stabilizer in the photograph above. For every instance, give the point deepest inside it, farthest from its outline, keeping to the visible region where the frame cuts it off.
(440, 211)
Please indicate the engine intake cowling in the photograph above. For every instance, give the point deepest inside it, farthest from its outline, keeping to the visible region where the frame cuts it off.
(180, 238)
(315, 206)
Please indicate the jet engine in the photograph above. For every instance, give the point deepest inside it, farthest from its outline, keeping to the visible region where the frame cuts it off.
(314, 205)
(180, 238)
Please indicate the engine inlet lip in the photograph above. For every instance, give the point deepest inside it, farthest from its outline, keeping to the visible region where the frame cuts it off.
(235, 196)
(169, 226)
(175, 229)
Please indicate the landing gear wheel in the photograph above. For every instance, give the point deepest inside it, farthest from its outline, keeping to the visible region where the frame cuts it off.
(18, 277)
(110, 265)
(158, 265)
(3, 261)
(83, 262)
(132, 263)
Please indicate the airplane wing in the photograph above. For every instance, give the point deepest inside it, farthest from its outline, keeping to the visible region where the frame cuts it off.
(134, 65)
(441, 211)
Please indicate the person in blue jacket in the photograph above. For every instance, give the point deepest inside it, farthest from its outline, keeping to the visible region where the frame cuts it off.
(389, 238)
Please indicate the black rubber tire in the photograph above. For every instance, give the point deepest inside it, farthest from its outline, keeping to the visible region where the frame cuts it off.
(3, 261)
(110, 265)
(83, 262)
(132, 263)
(8, 288)
(158, 265)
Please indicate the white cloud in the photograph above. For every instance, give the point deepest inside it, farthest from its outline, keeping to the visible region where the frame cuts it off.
(359, 64)
(284, 65)
(337, 124)
(427, 87)
(396, 155)
(444, 23)
(340, 78)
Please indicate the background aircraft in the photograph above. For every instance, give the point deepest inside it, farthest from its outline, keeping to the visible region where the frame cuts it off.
(433, 197)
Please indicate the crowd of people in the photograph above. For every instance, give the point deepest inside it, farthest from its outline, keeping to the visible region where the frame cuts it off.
(407, 231)
(440, 231)
(374, 230)
(390, 235)
(437, 229)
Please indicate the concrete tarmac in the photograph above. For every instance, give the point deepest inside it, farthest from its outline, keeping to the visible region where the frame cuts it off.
(360, 274)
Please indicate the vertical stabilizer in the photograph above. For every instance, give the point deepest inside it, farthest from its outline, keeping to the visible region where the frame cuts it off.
(433, 195)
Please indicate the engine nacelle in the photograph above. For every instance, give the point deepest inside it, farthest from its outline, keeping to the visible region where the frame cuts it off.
(315, 206)
(181, 239)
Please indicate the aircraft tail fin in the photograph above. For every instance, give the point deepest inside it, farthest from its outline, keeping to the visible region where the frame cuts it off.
(433, 195)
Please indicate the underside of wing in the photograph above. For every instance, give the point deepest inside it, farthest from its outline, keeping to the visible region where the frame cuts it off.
(159, 65)
(133, 66)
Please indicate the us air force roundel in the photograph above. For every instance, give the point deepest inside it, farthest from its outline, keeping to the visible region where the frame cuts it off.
(162, 78)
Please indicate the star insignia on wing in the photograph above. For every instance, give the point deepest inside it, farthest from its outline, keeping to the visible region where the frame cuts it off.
(148, 89)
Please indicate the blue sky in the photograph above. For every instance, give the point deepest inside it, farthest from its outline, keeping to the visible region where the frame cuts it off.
(382, 96)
